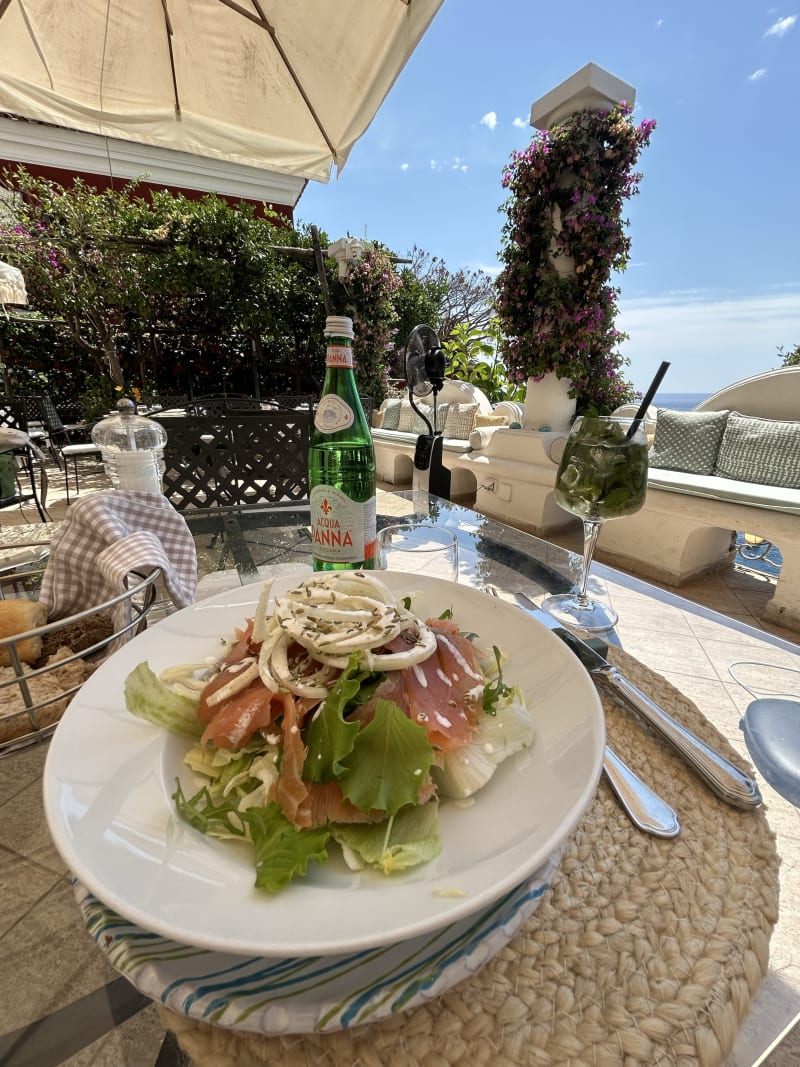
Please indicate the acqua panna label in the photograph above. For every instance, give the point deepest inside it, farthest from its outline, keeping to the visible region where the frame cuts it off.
(342, 530)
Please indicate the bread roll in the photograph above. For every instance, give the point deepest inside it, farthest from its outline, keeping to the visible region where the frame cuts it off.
(17, 617)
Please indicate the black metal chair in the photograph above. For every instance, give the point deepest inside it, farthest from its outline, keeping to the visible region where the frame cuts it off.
(236, 460)
(292, 401)
(15, 460)
(167, 401)
(225, 404)
(58, 436)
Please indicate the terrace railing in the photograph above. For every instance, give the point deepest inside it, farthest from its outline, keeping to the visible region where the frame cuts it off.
(236, 459)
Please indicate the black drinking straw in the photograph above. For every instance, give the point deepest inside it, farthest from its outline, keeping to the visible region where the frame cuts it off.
(648, 396)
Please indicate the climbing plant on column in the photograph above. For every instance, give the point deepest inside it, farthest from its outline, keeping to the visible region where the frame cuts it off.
(563, 238)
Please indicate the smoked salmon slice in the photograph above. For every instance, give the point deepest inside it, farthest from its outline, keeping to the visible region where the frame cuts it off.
(233, 723)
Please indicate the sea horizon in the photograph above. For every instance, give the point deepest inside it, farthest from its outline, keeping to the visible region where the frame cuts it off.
(679, 401)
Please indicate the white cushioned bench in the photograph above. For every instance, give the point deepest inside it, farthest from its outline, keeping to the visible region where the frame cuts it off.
(688, 523)
(458, 405)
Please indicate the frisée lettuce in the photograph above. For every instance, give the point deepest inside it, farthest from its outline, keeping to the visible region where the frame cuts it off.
(340, 718)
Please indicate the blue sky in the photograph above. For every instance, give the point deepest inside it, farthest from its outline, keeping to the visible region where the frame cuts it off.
(713, 283)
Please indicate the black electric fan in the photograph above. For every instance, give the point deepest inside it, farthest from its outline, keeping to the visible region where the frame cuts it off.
(424, 370)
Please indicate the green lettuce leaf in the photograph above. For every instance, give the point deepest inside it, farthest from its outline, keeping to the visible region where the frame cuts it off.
(390, 760)
(148, 698)
(242, 778)
(329, 737)
(282, 851)
(409, 838)
(225, 766)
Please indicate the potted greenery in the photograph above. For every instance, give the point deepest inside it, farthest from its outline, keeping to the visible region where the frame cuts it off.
(563, 237)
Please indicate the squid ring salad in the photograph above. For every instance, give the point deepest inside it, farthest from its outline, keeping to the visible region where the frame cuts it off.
(330, 616)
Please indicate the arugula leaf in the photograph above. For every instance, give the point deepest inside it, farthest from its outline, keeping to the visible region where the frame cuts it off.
(282, 851)
(147, 697)
(201, 812)
(493, 691)
(407, 839)
(390, 760)
(447, 614)
(329, 737)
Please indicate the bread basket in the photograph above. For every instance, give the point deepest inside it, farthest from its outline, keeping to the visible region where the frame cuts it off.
(34, 697)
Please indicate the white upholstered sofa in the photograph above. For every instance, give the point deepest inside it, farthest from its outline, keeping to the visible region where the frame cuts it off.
(687, 525)
(507, 471)
(732, 464)
(396, 427)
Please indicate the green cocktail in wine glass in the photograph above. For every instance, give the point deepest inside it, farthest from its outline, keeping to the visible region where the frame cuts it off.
(602, 475)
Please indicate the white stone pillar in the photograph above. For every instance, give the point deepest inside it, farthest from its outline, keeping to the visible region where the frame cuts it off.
(590, 89)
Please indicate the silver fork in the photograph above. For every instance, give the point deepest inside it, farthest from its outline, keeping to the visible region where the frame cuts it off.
(645, 808)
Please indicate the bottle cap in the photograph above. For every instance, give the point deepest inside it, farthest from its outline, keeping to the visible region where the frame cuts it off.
(338, 326)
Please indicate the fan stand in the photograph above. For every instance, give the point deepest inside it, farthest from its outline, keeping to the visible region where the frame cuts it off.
(425, 369)
(430, 474)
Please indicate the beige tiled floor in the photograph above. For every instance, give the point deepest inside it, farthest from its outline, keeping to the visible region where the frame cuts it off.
(680, 638)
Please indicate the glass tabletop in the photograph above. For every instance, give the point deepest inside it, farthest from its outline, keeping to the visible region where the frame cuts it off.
(242, 546)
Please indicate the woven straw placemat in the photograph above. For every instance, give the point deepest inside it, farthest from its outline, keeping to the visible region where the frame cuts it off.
(644, 951)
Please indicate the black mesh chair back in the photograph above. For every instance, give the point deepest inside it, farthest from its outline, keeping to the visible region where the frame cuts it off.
(245, 403)
(236, 460)
(41, 409)
(168, 401)
(13, 416)
(293, 401)
(17, 414)
(224, 404)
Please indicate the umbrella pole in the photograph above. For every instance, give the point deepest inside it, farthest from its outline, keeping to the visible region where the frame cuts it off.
(4, 368)
(323, 277)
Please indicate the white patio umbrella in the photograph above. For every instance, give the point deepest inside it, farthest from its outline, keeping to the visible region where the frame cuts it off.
(284, 85)
(12, 285)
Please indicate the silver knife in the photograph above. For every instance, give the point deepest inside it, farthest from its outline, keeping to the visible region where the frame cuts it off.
(727, 781)
(644, 808)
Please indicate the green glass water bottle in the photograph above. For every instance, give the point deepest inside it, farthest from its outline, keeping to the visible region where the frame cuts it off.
(341, 463)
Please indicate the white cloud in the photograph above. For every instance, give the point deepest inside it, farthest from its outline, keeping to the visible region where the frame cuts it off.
(489, 120)
(456, 163)
(659, 23)
(404, 167)
(757, 74)
(781, 27)
(521, 124)
(711, 339)
(492, 269)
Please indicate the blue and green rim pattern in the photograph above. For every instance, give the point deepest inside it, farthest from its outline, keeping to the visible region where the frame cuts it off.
(311, 994)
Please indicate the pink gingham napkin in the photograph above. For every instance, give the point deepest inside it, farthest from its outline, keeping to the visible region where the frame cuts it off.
(107, 536)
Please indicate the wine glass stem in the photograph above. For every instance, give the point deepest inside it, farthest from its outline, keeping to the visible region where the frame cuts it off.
(591, 531)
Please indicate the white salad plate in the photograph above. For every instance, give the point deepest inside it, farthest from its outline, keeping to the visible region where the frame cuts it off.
(109, 780)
